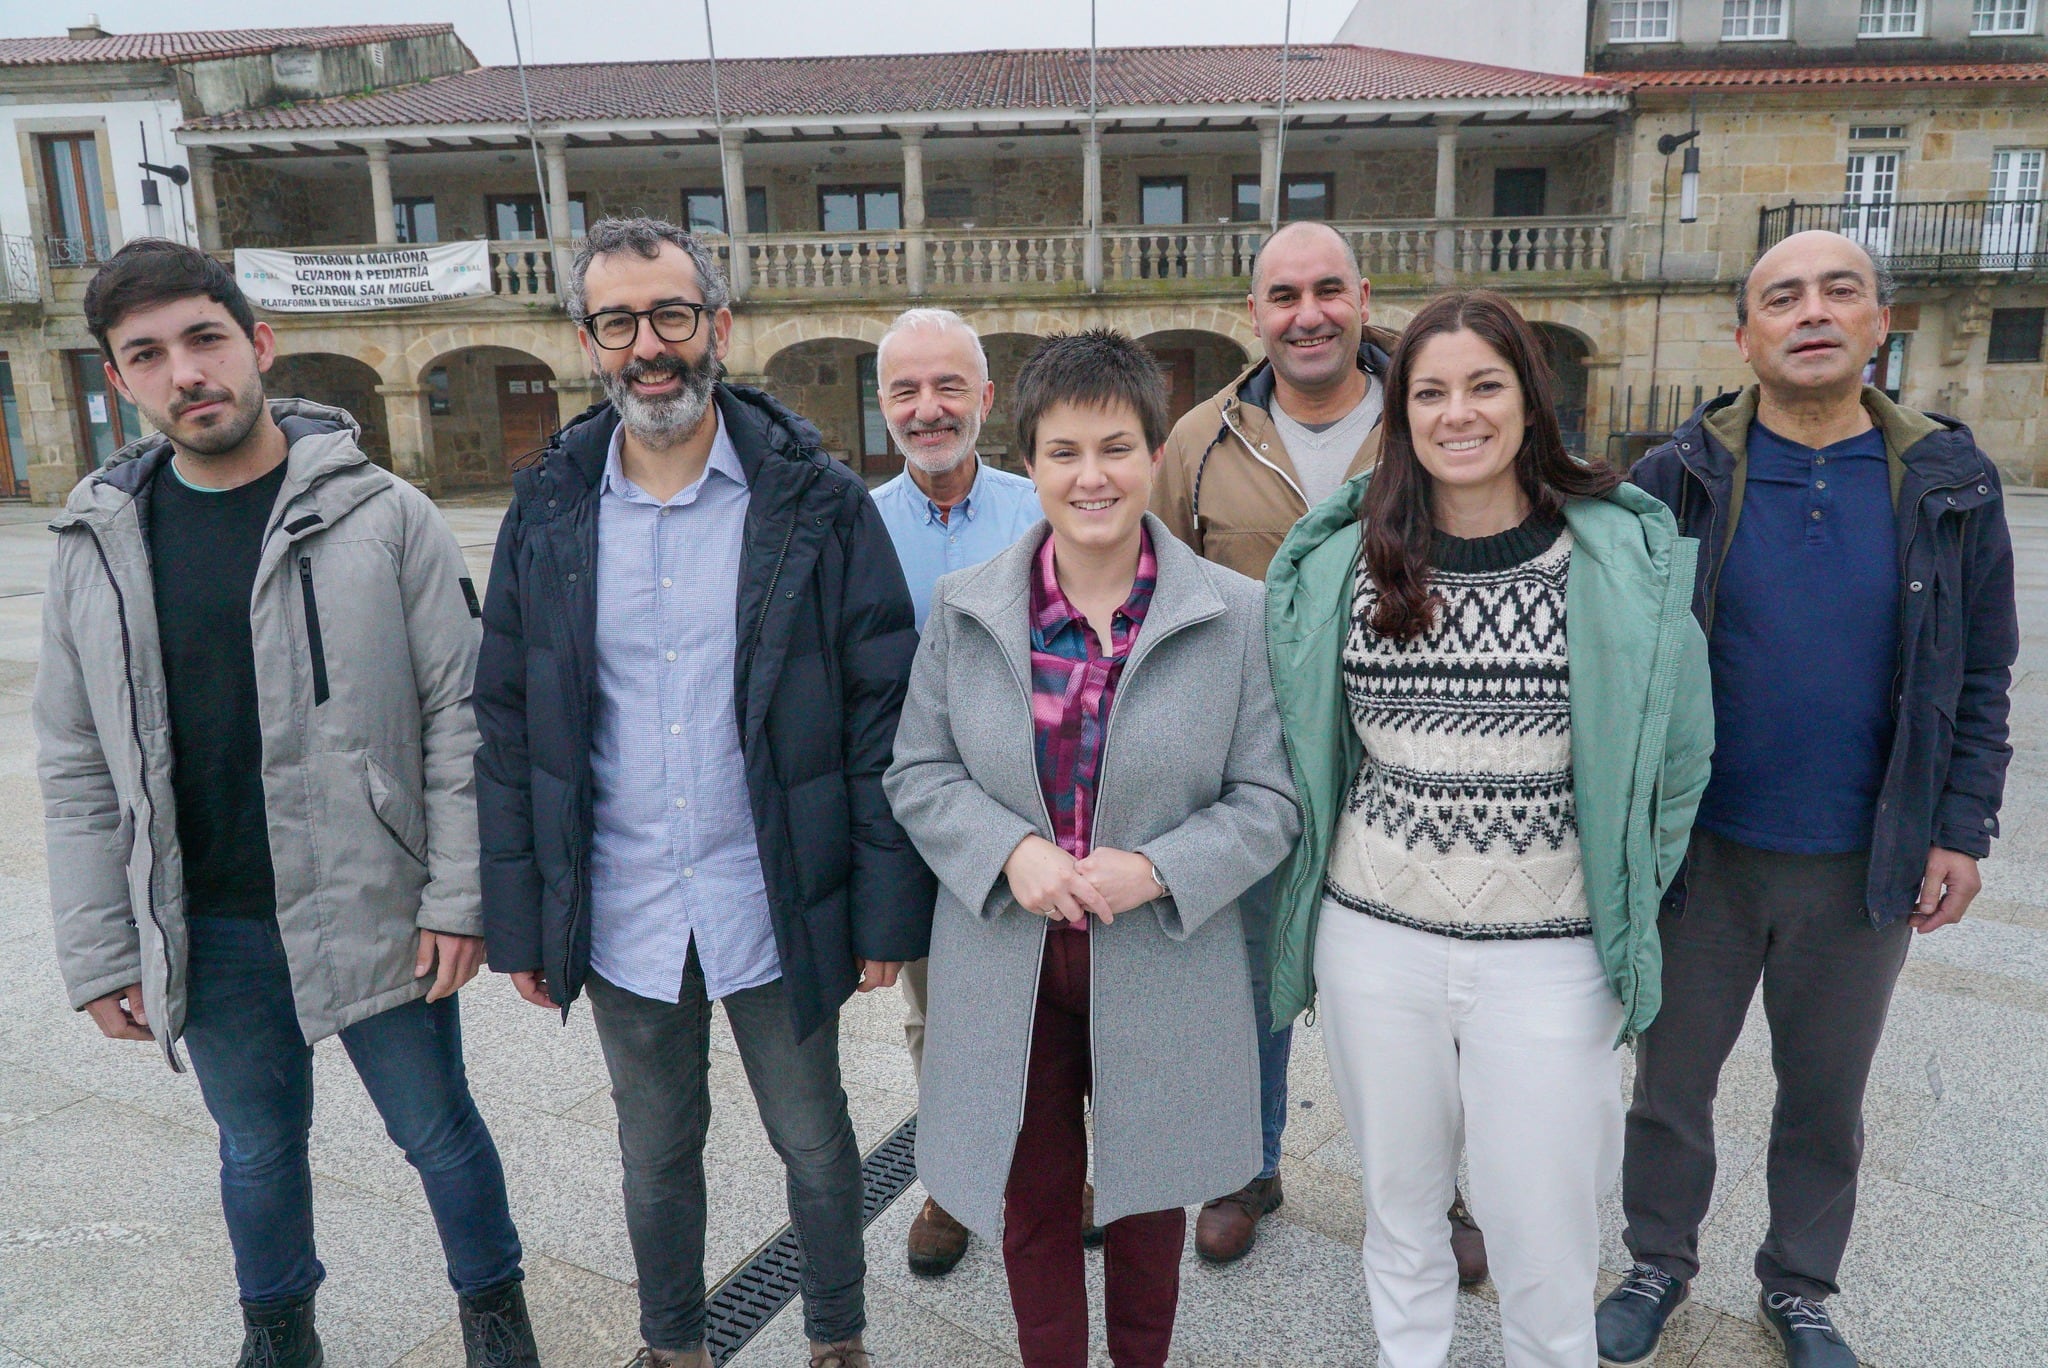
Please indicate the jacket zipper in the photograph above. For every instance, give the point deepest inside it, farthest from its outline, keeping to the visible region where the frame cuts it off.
(775, 577)
(1713, 588)
(1239, 434)
(316, 645)
(135, 733)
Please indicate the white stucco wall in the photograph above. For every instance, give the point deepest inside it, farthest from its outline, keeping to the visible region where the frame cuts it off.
(1530, 35)
(122, 126)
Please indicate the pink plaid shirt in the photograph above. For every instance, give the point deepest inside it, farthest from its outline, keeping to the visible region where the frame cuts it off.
(1073, 685)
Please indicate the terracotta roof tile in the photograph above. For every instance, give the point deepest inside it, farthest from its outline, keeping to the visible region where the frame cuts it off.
(200, 44)
(1750, 78)
(1011, 81)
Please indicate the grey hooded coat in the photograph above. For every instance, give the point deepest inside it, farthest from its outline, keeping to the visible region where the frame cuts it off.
(365, 643)
(1194, 777)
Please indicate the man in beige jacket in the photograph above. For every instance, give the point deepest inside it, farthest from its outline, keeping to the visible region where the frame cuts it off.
(1239, 470)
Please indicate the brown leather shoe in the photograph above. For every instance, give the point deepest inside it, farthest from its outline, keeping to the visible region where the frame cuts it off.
(1228, 1226)
(1468, 1242)
(937, 1241)
(1092, 1234)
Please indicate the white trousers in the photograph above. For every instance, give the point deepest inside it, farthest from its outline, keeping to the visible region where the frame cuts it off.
(1509, 1044)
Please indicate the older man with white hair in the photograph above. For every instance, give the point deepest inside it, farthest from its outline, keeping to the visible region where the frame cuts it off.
(946, 511)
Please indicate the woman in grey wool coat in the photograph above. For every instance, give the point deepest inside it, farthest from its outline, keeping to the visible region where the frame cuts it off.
(1090, 760)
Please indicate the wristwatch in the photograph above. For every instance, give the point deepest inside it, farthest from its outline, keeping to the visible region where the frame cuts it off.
(1164, 891)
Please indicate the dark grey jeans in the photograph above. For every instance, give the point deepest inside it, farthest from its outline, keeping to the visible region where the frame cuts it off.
(1797, 922)
(659, 1057)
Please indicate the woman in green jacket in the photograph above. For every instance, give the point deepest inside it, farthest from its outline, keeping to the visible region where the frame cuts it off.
(1495, 700)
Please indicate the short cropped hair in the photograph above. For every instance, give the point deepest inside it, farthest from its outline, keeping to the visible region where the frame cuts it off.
(1099, 368)
(935, 320)
(644, 236)
(152, 271)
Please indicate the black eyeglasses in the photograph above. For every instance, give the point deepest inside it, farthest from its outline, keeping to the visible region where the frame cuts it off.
(617, 329)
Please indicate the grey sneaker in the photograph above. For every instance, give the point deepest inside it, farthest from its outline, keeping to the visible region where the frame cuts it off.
(1805, 1331)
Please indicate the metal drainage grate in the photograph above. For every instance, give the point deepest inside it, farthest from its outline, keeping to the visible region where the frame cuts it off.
(749, 1299)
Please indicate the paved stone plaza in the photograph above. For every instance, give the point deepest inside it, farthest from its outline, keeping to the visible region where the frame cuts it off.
(112, 1249)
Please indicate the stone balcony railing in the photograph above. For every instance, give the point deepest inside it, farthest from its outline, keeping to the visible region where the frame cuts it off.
(1191, 259)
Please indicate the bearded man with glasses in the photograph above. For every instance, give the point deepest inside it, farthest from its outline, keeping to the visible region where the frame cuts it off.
(696, 640)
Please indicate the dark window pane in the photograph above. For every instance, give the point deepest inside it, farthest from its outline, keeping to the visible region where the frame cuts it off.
(1307, 197)
(882, 209)
(704, 211)
(1244, 206)
(1163, 201)
(757, 209)
(950, 202)
(416, 220)
(839, 211)
(2016, 334)
(874, 432)
(515, 218)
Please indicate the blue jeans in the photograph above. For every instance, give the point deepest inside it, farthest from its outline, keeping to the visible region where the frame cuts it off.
(256, 1073)
(1255, 908)
(659, 1057)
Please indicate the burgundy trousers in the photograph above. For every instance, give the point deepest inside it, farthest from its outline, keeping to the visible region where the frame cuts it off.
(1042, 1205)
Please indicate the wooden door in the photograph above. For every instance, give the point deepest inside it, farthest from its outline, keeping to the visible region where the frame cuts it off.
(527, 413)
(1179, 365)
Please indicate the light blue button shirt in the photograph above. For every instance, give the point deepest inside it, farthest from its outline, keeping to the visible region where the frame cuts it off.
(998, 510)
(674, 853)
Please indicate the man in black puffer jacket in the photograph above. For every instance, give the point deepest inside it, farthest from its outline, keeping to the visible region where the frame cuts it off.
(696, 641)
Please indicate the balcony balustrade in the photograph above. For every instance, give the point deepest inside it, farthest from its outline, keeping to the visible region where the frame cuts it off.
(18, 280)
(1002, 261)
(1925, 236)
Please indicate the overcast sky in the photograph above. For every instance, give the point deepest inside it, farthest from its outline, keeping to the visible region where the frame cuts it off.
(576, 30)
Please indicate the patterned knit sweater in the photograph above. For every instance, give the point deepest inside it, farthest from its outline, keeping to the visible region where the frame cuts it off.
(1461, 818)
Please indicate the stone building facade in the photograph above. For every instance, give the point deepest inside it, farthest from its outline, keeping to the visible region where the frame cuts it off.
(1550, 188)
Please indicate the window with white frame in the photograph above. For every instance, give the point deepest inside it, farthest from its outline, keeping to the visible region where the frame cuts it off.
(1639, 21)
(1888, 19)
(2001, 16)
(1749, 19)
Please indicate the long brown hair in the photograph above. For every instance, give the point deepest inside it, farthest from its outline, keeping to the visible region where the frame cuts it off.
(1398, 507)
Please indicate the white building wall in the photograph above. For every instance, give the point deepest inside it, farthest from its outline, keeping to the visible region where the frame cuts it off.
(123, 126)
(1530, 35)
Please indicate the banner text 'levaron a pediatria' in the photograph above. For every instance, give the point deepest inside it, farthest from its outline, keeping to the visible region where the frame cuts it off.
(338, 282)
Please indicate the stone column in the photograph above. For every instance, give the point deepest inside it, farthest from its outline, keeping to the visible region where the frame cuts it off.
(733, 161)
(1269, 169)
(379, 155)
(573, 394)
(1446, 201)
(205, 204)
(913, 207)
(412, 434)
(554, 153)
(1618, 195)
(1603, 374)
(1091, 206)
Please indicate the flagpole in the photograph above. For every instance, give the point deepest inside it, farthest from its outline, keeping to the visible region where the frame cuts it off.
(547, 219)
(1280, 142)
(1093, 270)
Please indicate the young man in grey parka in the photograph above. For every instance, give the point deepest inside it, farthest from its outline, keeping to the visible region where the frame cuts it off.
(257, 773)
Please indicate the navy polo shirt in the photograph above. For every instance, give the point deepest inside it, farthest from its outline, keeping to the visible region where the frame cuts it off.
(1804, 646)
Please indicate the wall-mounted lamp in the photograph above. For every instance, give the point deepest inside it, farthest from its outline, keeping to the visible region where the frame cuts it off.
(1689, 170)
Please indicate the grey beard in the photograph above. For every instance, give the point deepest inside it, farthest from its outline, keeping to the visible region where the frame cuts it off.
(663, 421)
(970, 433)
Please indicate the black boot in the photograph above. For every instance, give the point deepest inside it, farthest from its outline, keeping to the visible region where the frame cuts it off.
(280, 1334)
(495, 1330)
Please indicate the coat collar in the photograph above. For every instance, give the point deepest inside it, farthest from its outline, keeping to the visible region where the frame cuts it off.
(326, 472)
(997, 594)
(1254, 385)
(771, 442)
